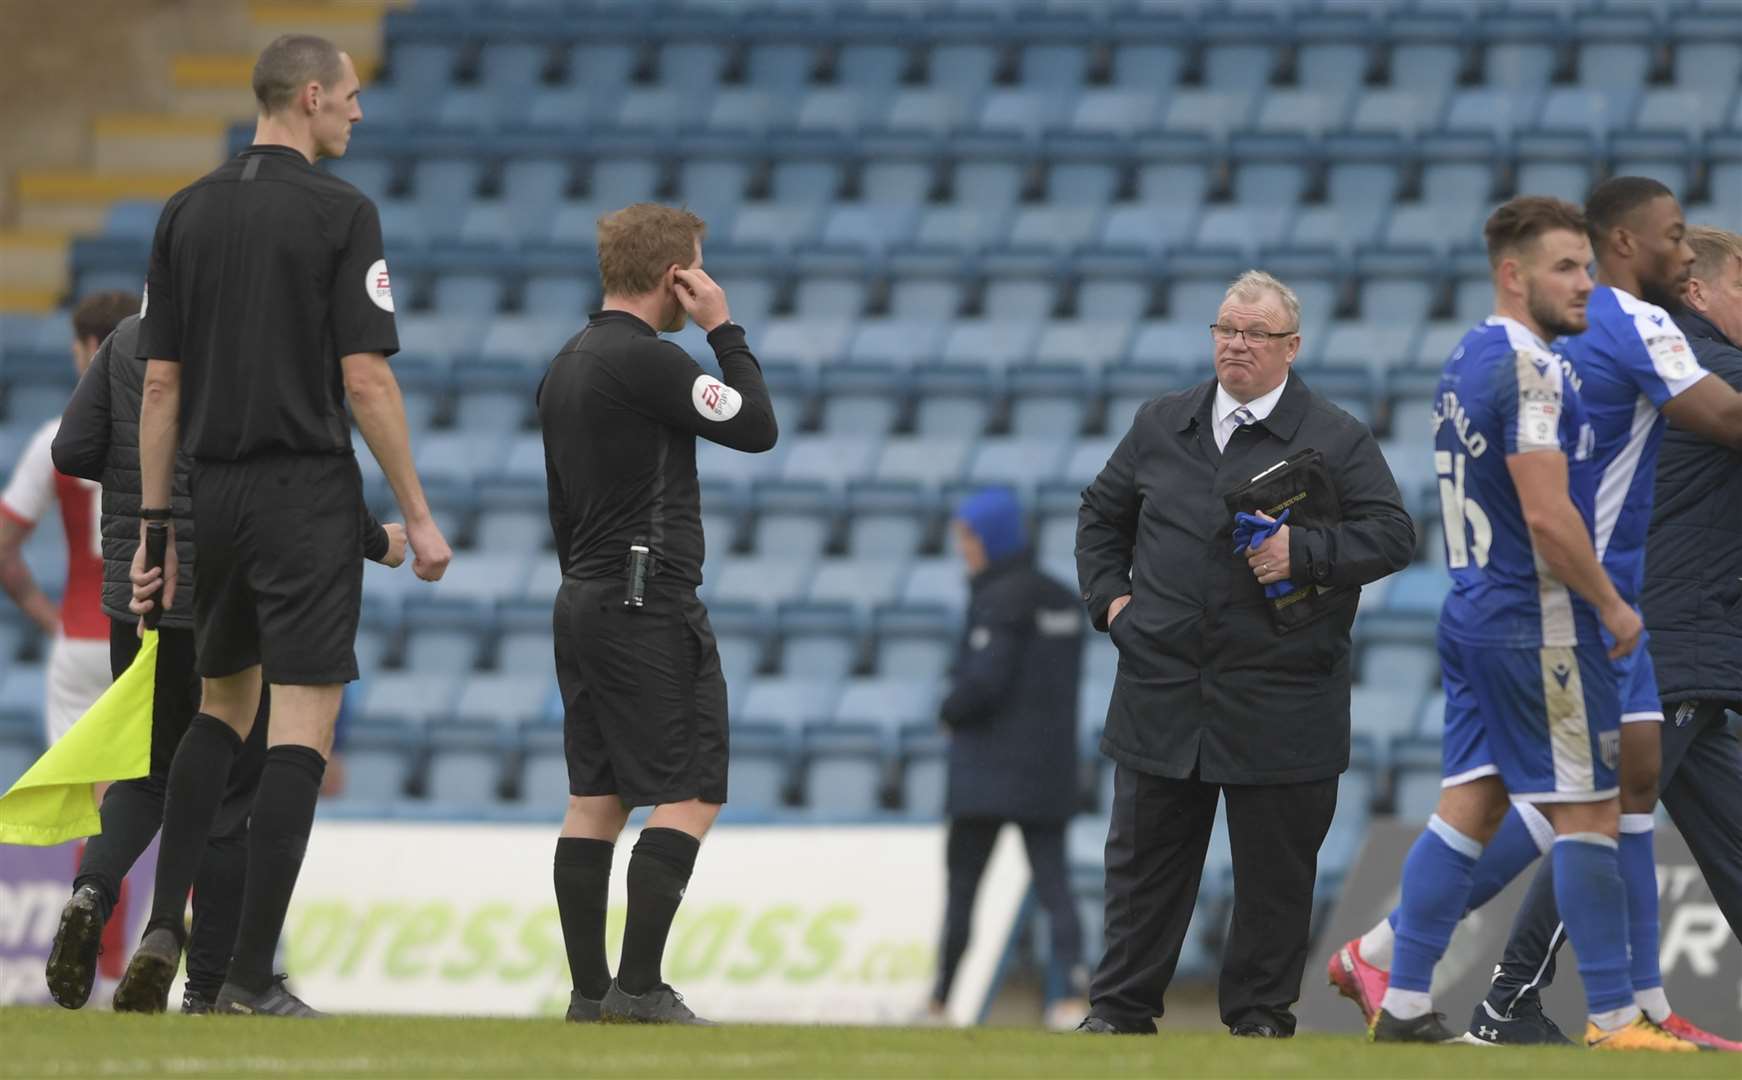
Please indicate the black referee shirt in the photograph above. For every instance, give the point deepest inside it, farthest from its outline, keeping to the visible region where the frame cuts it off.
(263, 274)
(621, 410)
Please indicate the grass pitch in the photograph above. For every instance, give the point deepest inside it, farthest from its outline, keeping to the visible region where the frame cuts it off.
(47, 1042)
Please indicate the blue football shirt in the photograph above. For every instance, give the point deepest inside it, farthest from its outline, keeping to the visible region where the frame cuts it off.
(1631, 361)
(1504, 392)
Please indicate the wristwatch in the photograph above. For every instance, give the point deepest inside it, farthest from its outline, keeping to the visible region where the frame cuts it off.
(154, 513)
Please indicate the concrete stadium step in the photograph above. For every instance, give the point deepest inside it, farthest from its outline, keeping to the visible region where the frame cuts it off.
(76, 200)
(32, 260)
(125, 143)
(151, 156)
(352, 25)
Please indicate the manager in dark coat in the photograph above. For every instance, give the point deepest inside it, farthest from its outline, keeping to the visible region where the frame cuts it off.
(1210, 699)
(1012, 715)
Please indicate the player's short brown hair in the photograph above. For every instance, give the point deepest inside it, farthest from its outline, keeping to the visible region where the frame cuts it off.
(1519, 221)
(638, 243)
(290, 63)
(1713, 250)
(97, 315)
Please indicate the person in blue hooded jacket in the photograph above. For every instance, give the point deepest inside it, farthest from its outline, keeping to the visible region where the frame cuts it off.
(1011, 711)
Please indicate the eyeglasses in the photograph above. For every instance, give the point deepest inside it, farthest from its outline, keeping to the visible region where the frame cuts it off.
(1253, 337)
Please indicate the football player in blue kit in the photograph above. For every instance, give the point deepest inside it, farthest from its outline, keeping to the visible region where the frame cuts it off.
(1635, 368)
(1528, 635)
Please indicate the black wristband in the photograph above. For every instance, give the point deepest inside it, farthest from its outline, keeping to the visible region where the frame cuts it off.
(155, 513)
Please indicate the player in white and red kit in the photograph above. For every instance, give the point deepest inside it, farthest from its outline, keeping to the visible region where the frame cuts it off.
(78, 659)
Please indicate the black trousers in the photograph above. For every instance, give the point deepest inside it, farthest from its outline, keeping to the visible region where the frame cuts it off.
(1700, 784)
(109, 856)
(968, 849)
(1156, 843)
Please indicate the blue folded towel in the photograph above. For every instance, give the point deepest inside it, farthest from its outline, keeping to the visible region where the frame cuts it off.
(1250, 533)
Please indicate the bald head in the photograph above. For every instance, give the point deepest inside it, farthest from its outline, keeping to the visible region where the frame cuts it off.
(288, 65)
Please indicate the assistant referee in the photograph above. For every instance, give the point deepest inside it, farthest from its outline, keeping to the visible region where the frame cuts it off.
(643, 696)
(267, 306)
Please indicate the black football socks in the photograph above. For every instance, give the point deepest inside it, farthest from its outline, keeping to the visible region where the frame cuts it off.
(284, 812)
(197, 779)
(583, 881)
(659, 870)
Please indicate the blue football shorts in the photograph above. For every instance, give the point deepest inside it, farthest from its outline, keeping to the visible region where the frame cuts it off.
(1547, 720)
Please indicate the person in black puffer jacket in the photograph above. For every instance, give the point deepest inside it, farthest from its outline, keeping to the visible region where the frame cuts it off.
(99, 440)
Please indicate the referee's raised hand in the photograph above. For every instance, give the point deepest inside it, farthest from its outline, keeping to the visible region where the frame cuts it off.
(430, 550)
(702, 298)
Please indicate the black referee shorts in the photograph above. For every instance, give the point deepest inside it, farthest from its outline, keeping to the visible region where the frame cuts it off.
(279, 576)
(644, 700)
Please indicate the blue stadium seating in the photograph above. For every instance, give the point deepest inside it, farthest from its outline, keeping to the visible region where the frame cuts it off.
(963, 257)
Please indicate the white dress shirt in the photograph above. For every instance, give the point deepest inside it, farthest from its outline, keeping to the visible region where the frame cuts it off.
(1225, 420)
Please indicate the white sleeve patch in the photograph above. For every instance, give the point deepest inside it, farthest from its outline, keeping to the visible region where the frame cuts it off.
(376, 284)
(1672, 358)
(1537, 424)
(714, 399)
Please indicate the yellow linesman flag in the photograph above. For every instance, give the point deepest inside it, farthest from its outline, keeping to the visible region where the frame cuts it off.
(54, 800)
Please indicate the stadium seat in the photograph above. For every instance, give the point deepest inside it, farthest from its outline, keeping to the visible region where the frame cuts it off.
(862, 582)
(762, 580)
(410, 697)
(1426, 67)
(508, 700)
(1664, 108)
(544, 784)
(928, 111)
(844, 774)
(940, 581)
(829, 459)
(1400, 111)
(1418, 590)
(1416, 788)
(889, 701)
(1356, 790)
(1384, 712)
(1212, 113)
(1118, 111)
(930, 460)
(871, 66)
(924, 778)
(464, 777)
(1024, 111)
(790, 702)
(761, 773)
(887, 523)
(694, 67)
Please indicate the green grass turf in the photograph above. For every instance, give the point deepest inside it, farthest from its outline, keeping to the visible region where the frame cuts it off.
(49, 1042)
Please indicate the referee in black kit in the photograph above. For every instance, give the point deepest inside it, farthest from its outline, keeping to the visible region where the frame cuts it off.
(643, 697)
(267, 306)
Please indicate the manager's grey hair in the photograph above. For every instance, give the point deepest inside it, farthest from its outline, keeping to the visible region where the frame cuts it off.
(290, 63)
(1258, 285)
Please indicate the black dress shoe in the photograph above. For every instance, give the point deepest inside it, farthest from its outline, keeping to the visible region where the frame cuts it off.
(1100, 1025)
(1255, 1031)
